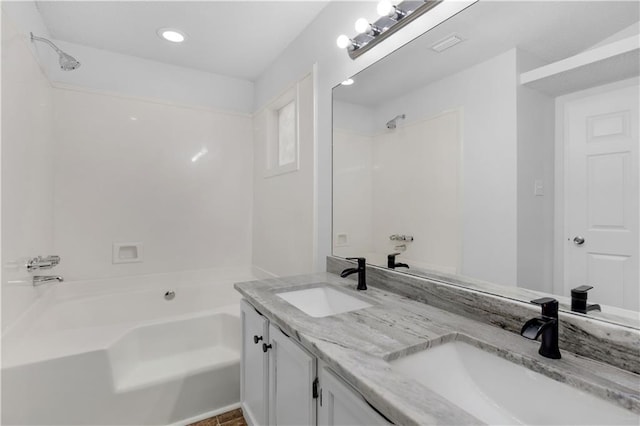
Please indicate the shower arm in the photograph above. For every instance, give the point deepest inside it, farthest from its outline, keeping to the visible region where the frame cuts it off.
(44, 40)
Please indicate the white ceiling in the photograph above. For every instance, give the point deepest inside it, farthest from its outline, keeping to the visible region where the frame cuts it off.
(233, 38)
(550, 30)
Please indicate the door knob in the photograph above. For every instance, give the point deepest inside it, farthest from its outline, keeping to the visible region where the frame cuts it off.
(256, 339)
(266, 347)
(578, 240)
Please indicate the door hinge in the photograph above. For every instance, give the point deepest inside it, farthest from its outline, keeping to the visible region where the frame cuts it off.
(315, 388)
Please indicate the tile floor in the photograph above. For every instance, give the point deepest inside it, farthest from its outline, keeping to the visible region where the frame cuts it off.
(230, 418)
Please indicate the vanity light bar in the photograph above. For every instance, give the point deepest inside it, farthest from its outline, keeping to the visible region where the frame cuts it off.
(392, 19)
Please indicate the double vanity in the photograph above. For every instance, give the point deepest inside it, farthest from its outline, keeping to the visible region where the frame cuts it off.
(317, 351)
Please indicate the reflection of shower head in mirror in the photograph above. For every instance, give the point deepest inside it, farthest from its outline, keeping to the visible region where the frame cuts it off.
(392, 124)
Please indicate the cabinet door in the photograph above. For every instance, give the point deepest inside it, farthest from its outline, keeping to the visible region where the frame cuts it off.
(292, 371)
(339, 404)
(254, 366)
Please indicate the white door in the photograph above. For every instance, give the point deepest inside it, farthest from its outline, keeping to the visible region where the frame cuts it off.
(601, 195)
(254, 366)
(292, 371)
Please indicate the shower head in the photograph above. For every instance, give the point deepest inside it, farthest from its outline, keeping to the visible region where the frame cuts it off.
(392, 124)
(67, 62)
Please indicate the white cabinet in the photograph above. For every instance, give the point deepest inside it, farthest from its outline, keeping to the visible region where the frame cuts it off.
(281, 382)
(292, 371)
(254, 365)
(339, 404)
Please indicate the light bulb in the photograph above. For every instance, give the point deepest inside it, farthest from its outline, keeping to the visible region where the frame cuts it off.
(347, 82)
(385, 8)
(362, 26)
(343, 41)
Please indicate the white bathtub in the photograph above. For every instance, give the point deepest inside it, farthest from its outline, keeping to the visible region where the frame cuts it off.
(117, 352)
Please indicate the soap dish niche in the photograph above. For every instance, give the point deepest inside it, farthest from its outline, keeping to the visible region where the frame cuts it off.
(127, 252)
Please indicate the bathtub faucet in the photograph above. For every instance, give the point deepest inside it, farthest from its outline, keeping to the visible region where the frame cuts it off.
(44, 279)
(41, 262)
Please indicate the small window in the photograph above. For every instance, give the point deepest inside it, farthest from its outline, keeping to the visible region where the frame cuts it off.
(287, 134)
(282, 134)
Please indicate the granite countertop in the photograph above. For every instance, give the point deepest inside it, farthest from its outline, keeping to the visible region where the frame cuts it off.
(358, 344)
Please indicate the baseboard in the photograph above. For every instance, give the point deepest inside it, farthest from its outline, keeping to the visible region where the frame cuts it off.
(206, 415)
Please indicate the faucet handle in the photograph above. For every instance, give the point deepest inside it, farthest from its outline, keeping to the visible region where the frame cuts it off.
(579, 300)
(361, 261)
(41, 262)
(581, 289)
(549, 306)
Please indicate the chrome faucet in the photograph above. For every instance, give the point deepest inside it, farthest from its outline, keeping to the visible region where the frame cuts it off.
(40, 262)
(360, 270)
(44, 279)
(48, 262)
(545, 325)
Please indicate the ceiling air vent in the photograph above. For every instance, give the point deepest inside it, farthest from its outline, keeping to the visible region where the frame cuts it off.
(446, 43)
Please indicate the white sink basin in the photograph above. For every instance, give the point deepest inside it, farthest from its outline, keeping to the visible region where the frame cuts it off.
(323, 301)
(497, 391)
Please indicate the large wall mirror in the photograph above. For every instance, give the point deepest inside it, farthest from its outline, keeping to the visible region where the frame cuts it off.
(499, 150)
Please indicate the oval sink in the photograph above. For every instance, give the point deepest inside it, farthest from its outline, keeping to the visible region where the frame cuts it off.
(497, 391)
(323, 301)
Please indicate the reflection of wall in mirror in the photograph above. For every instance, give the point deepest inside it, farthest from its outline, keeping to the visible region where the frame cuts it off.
(486, 94)
(406, 182)
(416, 191)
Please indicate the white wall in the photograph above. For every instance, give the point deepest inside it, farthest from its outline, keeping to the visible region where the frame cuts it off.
(536, 141)
(27, 172)
(354, 118)
(283, 204)
(352, 184)
(352, 193)
(124, 173)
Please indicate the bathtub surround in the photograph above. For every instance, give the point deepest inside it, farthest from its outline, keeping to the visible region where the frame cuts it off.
(358, 344)
(208, 224)
(609, 343)
(175, 178)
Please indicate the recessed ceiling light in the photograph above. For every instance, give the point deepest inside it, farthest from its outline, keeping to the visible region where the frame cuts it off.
(347, 82)
(171, 35)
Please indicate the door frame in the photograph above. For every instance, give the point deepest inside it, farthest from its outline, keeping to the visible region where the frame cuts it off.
(560, 248)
